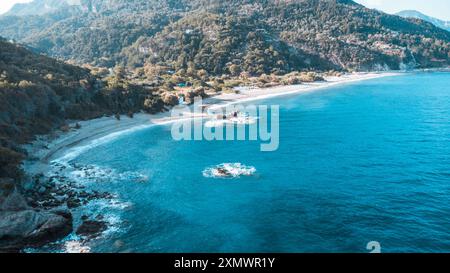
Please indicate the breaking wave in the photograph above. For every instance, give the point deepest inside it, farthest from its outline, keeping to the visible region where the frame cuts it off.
(233, 121)
(76, 247)
(93, 173)
(229, 170)
(77, 151)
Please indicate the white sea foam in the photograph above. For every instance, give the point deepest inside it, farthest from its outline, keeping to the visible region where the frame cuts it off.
(110, 210)
(114, 203)
(77, 151)
(75, 244)
(114, 224)
(94, 173)
(229, 170)
(250, 94)
(236, 121)
(76, 247)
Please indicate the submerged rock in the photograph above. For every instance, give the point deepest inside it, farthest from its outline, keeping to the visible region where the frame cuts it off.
(229, 170)
(119, 244)
(32, 217)
(92, 228)
(74, 203)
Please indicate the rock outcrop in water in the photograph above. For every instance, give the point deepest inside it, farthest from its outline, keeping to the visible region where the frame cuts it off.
(91, 228)
(185, 39)
(22, 226)
(38, 94)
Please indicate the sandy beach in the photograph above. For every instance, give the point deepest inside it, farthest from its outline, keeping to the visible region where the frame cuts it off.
(252, 94)
(97, 131)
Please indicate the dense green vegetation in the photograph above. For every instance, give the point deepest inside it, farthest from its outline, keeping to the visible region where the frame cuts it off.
(122, 56)
(219, 45)
(227, 37)
(38, 93)
(94, 32)
(155, 48)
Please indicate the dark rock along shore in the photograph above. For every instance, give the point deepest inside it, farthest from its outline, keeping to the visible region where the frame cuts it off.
(23, 226)
(40, 213)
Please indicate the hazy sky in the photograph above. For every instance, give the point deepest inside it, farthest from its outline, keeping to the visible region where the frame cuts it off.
(435, 8)
(5, 5)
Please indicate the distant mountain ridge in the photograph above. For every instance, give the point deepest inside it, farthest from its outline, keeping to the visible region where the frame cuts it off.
(418, 15)
(41, 7)
(258, 36)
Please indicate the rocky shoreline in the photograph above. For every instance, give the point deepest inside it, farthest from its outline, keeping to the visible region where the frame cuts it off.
(41, 211)
(24, 226)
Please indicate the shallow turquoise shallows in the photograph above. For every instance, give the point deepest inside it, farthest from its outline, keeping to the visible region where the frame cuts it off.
(366, 161)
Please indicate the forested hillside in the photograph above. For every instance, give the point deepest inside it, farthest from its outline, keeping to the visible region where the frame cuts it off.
(38, 93)
(255, 36)
(67, 60)
(166, 43)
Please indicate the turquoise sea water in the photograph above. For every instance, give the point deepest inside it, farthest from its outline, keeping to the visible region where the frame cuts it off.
(367, 161)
